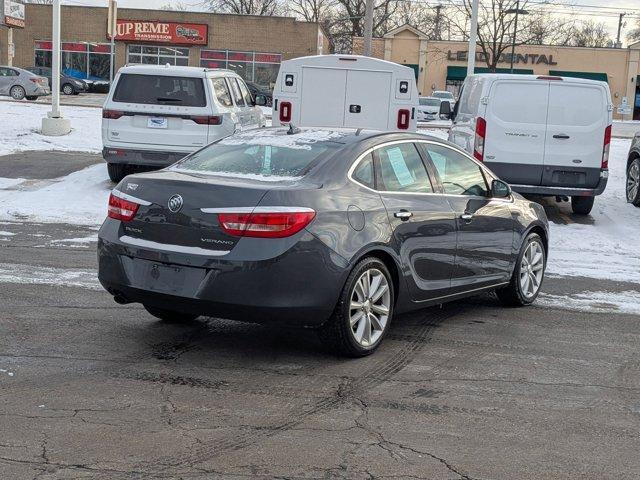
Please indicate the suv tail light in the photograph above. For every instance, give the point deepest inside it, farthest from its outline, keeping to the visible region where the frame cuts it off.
(605, 149)
(210, 120)
(478, 142)
(267, 222)
(403, 119)
(112, 114)
(121, 209)
(285, 112)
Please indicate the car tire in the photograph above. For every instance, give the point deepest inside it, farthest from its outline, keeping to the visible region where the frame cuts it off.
(117, 171)
(516, 293)
(633, 183)
(68, 89)
(31, 97)
(361, 337)
(170, 316)
(582, 205)
(17, 92)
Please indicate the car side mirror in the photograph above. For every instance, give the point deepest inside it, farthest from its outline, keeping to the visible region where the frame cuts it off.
(445, 109)
(500, 189)
(261, 100)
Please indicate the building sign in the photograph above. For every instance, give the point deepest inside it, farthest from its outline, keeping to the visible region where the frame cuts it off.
(520, 58)
(162, 32)
(14, 13)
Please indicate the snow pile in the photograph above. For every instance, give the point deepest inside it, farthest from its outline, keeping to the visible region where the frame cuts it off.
(38, 275)
(598, 302)
(21, 123)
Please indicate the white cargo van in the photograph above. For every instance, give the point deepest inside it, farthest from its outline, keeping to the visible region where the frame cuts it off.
(345, 91)
(544, 135)
(155, 115)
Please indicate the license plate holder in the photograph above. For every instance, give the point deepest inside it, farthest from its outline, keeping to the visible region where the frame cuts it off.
(165, 278)
(157, 122)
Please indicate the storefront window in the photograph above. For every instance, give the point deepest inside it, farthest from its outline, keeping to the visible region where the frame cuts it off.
(150, 55)
(83, 60)
(260, 68)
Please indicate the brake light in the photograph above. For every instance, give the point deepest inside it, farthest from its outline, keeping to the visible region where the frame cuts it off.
(285, 112)
(265, 224)
(478, 142)
(548, 77)
(34, 79)
(210, 120)
(112, 114)
(403, 119)
(605, 149)
(121, 209)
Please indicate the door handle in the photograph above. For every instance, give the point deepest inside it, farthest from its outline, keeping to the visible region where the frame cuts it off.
(403, 215)
(561, 136)
(467, 217)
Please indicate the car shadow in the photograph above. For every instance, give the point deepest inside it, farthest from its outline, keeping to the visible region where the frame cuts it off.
(560, 213)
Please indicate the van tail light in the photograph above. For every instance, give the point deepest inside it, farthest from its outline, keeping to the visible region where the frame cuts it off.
(112, 114)
(121, 209)
(605, 149)
(404, 117)
(266, 223)
(207, 120)
(285, 112)
(478, 142)
(550, 77)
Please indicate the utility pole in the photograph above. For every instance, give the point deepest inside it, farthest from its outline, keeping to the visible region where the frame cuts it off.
(368, 27)
(436, 34)
(112, 31)
(515, 33)
(473, 36)
(618, 42)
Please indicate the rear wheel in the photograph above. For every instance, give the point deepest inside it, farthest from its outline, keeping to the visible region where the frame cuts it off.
(68, 89)
(170, 316)
(582, 205)
(364, 311)
(17, 92)
(528, 275)
(117, 171)
(633, 182)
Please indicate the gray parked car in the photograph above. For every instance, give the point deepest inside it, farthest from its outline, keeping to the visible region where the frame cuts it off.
(68, 85)
(633, 172)
(338, 230)
(19, 83)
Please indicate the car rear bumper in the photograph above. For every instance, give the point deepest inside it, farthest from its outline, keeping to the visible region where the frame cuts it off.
(564, 191)
(299, 287)
(153, 158)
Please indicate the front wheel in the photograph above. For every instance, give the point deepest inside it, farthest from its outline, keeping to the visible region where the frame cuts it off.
(582, 205)
(17, 92)
(528, 275)
(633, 183)
(364, 311)
(170, 316)
(68, 89)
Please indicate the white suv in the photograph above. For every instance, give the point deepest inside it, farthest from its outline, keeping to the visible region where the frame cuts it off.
(155, 115)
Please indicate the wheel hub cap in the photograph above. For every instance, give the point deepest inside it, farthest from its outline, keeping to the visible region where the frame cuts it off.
(370, 306)
(633, 182)
(532, 269)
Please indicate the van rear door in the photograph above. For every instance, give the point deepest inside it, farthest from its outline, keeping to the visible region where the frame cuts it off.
(577, 119)
(322, 97)
(516, 117)
(367, 95)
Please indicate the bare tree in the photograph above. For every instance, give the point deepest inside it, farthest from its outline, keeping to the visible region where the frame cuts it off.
(590, 34)
(311, 10)
(244, 7)
(179, 6)
(634, 35)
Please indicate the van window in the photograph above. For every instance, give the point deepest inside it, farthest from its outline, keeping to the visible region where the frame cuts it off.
(576, 105)
(160, 90)
(401, 170)
(469, 102)
(364, 172)
(507, 96)
(221, 91)
(248, 99)
(237, 96)
(459, 175)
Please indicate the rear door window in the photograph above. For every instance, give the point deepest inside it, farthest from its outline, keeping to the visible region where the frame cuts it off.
(363, 173)
(237, 96)
(401, 170)
(248, 99)
(160, 90)
(221, 91)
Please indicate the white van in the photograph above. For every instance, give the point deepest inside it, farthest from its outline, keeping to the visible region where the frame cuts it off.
(345, 91)
(155, 115)
(544, 135)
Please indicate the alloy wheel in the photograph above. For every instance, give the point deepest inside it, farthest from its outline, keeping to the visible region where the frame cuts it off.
(17, 93)
(370, 307)
(67, 89)
(633, 181)
(532, 269)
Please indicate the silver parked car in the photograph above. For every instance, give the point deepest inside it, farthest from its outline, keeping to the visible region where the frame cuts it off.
(19, 83)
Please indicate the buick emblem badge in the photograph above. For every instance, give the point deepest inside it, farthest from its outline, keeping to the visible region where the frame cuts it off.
(175, 203)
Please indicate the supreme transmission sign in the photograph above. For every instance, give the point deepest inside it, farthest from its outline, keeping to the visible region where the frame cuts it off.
(162, 32)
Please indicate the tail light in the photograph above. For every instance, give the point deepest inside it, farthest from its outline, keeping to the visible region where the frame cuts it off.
(121, 209)
(210, 120)
(266, 224)
(478, 142)
(112, 114)
(549, 77)
(605, 149)
(285, 112)
(403, 119)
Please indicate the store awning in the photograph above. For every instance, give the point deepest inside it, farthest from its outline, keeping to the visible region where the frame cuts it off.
(460, 73)
(602, 77)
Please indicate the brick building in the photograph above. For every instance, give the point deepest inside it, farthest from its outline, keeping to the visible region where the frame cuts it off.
(251, 45)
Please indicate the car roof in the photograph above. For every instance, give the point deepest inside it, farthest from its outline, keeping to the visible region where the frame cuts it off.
(515, 76)
(174, 70)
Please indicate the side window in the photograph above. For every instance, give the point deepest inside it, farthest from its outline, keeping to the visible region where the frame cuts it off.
(459, 174)
(237, 96)
(363, 173)
(13, 73)
(221, 91)
(401, 170)
(245, 92)
(4, 72)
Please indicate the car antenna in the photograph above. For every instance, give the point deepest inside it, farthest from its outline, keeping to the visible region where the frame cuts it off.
(292, 129)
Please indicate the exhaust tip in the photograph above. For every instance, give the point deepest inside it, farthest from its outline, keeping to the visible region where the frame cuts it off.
(121, 299)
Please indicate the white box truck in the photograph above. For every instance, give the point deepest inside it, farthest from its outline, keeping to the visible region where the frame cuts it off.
(345, 91)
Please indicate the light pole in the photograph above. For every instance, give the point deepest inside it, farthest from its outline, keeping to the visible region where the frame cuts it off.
(368, 27)
(473, 37)
(517, 11)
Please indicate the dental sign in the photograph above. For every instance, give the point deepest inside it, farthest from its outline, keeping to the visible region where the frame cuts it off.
(162, 32)
(13, 11)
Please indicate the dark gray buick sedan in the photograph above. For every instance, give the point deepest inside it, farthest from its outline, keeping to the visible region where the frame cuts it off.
(339, 230)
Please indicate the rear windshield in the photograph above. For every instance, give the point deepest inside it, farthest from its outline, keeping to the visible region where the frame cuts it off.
(430, 102)
(160, 90)
(260, 157)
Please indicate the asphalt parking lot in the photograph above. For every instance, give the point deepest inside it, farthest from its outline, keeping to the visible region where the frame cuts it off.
(92, 389)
